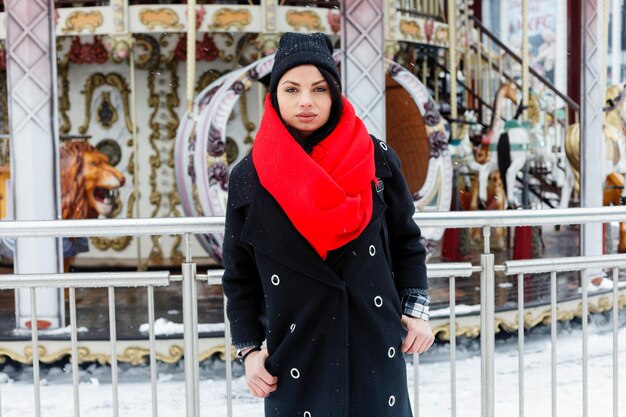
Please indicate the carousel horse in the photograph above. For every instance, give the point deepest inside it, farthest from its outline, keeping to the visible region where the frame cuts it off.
(461, 150)
(487, 153)
(526, 143)
(613, 147)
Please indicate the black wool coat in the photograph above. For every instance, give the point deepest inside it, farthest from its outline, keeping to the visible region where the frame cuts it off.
(332, 327)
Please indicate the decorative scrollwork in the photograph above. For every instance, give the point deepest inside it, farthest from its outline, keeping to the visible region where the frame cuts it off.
(98, 80)
(64, 99)
(226, 17)
(77, 21)
(106, 113)
(163, 17)
(307, 19)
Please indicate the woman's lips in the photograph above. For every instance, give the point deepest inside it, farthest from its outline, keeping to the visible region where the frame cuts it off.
(305, 117)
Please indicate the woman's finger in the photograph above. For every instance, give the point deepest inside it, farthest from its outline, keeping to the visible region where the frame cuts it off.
(254, 390)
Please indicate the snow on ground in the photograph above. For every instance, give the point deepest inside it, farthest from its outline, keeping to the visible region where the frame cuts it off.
(16, 389)
(163, 327)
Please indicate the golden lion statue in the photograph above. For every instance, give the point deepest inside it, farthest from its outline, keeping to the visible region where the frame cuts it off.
(88, 182)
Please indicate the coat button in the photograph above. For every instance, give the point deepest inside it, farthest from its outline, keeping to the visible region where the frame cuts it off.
(391, 352)
(378, 301)
(295, 374)
(372, 250)
(275, 279)
(383, 145)
(392, 401)
(292, 327)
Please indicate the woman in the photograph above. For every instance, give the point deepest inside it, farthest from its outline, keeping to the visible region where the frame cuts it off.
(322, 259)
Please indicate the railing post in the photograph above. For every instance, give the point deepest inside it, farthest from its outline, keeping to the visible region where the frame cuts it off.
(487, 330)
(190, 337)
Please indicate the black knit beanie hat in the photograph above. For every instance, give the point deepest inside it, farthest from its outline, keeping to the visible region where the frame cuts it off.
(301, 49)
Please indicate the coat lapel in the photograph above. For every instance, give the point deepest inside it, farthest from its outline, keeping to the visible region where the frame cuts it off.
(377, 212)
(269, 230)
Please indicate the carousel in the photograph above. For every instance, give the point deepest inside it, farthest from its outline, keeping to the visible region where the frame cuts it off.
(157, 104)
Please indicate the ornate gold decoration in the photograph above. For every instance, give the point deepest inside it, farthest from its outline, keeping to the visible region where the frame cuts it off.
(117, 244)
(411, 29)
(163, 17)
(77, 21)
(207, 78)
(98, 80)
(196, 200)
(245, 119)
(119, 47)
(307, 19)
(544, 317)
(64, 99)
(134, 355)
(156, 252)
(226, 17)
(172, 102)
(106, 120)
(229, 41)
(173, 196)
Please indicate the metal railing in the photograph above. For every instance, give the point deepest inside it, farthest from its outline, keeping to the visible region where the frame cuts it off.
(190, 280)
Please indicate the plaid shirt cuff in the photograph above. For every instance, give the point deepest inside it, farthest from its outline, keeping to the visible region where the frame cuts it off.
(416, 305)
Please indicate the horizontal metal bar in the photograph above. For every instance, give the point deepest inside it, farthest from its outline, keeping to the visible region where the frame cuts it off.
(497, 218)
(575, 263)
(443, 270)
(196, 225)
(112, 227)
(86, 280)
(447, 270)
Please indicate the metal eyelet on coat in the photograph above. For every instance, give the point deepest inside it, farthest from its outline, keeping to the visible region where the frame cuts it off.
(392, 401)
(378, 301)
(292, 327)
(275, 279)
(306, 414)
(391, 352)
(383, 145)
(295, 374)
(372, 250)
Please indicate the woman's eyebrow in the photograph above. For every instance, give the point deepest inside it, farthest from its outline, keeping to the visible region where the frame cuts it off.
(298, 85)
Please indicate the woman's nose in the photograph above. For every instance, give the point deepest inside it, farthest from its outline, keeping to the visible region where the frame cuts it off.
(305, 100)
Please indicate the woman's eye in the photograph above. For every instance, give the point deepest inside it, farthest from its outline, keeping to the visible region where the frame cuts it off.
(320, 90)
(290, 90)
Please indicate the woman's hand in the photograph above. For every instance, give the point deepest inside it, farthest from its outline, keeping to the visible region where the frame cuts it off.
(419, 336)
(260, 382)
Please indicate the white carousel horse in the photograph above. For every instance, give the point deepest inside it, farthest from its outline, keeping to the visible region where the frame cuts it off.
(487, 154)
(462, 149)
(528, 143)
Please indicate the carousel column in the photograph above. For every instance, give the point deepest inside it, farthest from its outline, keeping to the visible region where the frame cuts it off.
(31, 68)
(592, 155)
(363, 65)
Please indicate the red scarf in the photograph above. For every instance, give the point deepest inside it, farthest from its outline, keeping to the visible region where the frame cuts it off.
(327, 195)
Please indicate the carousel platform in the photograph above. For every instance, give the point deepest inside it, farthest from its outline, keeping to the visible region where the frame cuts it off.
(132, 316)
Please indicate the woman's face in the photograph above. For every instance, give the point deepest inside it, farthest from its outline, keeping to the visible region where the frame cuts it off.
(304, 99)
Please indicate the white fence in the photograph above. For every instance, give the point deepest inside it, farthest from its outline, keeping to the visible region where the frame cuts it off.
(190, 280)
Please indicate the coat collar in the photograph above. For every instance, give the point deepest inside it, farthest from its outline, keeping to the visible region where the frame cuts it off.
(269, 231)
